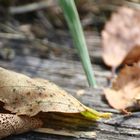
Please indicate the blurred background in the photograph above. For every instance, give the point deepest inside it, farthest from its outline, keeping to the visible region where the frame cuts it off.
(37, 28)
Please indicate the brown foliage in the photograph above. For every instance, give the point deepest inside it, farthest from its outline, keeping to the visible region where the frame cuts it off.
(121, 38)
(26, 96)
(125, 91)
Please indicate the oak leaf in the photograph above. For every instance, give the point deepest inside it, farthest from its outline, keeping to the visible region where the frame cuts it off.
(125, 90)
(121, 37)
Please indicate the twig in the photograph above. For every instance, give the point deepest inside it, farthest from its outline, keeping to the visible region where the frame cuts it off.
(45, 21)
(14, 36)
(23, 37)
(31, 7)
(132, 5)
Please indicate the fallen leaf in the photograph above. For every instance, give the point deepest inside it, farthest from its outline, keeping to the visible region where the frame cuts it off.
(26, 96)
(121, 37)
(125, 89)
(13, 124)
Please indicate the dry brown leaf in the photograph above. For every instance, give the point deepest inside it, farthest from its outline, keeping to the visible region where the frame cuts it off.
(126, 89)
(26, 96)
(23, 95)
(121, 37)
(13, 124)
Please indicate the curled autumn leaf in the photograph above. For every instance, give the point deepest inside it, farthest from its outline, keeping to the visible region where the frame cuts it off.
(125, 91)
(13, 124)
(26, 96)
(121, 37)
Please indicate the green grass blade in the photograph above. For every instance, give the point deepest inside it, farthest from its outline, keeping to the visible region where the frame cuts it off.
(72, 18)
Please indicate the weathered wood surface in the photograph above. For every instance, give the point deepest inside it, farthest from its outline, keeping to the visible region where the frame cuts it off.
(70, 76)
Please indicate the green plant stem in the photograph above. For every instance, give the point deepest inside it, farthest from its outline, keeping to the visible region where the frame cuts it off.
(73, 21)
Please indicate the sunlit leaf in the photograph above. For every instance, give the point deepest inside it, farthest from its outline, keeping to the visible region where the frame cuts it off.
(26, 96)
